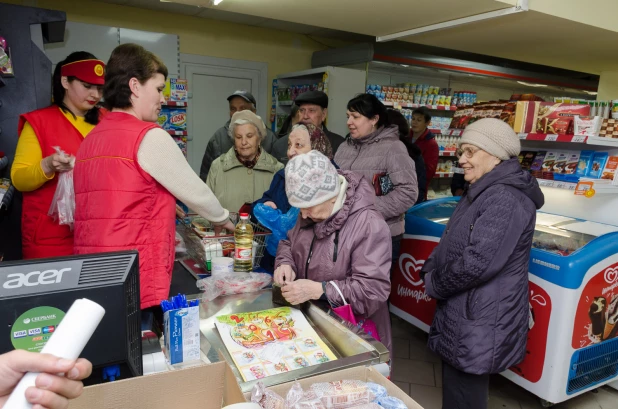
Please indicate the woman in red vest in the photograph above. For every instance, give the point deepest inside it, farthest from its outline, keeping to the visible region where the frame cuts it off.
(129, 172)
(77, 88)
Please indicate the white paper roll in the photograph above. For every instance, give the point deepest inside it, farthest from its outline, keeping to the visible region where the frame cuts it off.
(222, 265)
(67, 341)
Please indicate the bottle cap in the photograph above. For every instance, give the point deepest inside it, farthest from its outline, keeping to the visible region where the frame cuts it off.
(244, 215)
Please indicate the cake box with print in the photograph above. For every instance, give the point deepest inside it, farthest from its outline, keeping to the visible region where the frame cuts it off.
(573, 298)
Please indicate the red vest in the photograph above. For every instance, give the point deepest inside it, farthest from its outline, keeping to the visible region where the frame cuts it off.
(41, 235)
(118, 206)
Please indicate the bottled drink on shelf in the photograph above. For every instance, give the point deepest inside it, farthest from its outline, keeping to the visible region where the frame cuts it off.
(243, 240)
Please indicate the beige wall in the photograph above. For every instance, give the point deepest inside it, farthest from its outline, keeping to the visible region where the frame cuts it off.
(608, 86)
(283, 51)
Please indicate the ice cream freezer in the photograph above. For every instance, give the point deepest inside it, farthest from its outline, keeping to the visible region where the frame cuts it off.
(573, 338)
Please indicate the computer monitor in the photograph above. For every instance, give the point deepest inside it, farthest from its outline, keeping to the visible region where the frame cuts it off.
(35, 295)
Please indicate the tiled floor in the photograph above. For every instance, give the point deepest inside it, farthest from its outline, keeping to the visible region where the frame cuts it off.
(417, 371)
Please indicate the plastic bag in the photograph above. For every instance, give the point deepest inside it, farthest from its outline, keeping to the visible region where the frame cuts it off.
(279, 224)
(180, 244)
(266, 398)
(234, 283)
(343, 394)
(62, 207)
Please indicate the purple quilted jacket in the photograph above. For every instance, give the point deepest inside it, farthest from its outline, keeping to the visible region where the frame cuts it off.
(479, 273)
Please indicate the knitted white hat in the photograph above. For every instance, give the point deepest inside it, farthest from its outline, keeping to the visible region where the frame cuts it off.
(310, 180)
(494, 137)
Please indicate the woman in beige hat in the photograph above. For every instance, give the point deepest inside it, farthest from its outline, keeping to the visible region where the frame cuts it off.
(243, 174)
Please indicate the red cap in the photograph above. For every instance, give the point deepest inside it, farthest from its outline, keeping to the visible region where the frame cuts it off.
(90, 71)
(244, 215)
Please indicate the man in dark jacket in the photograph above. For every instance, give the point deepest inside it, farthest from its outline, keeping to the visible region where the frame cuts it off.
(422, 137)
(313, 108)
(221, 142)
(478, 273)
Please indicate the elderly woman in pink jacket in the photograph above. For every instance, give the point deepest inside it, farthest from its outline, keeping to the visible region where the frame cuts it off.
(340, 240)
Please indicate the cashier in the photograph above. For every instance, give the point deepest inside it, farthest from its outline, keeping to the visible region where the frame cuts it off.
(478, 273)
(77, 87)
(340, 238)
(129, 173)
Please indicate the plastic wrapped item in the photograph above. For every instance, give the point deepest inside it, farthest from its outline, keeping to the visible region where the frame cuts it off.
(295, 395)
(309, 401)
(343, 394)
(378, 390)
(279, 224)
(62, 207)
(266, 398)
(180, 244)
(390, 402)
(235, 283)
(371, 405)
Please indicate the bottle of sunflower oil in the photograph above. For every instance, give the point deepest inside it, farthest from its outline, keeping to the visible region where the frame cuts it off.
(243, 240)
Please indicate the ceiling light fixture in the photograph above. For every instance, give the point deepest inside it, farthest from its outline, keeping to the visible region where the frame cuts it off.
(216, 2)
(531, 85)
(404, 66)
(591, 92)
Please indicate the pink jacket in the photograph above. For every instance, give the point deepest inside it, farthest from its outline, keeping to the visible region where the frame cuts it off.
(353, 248)
(379, 153)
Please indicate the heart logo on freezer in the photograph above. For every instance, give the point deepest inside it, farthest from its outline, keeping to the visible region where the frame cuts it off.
(410, 268)
(611, 275)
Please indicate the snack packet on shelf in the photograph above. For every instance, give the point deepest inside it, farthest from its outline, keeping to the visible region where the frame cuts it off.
(343, 394)
(266, 398)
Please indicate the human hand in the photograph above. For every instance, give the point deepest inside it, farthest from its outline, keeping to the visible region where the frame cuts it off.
(229, 226)
(284, 275)
(299, 291)
(52, 391)
(180, 212)
(271, 204)
(57, 163)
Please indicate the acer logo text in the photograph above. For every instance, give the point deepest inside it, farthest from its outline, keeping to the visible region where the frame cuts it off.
(34, 278)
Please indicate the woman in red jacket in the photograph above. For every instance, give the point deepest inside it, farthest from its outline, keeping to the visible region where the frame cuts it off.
(426, 141)
(77, 89)
(129, 173)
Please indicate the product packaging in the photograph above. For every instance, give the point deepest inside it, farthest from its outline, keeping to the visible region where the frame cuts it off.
(548, 165)
(585, 163)
(547, 117)
(609, 128)
(235, 283)
(178, 90)
(599, 159)
(181, 327)
(571, 163)
(588, 126)
(526, 159)
(610, 168)
(560, 163)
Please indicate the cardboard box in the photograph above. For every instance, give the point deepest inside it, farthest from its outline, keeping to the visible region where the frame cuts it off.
(201, 387)
(362, 373)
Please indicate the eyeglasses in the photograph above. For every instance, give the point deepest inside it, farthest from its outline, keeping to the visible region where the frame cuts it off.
(468, 152)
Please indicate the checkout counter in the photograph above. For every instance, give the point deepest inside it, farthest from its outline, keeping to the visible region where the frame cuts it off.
(351, 345)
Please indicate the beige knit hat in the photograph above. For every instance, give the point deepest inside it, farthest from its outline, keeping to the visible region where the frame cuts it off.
(494, 137)
(247, 117)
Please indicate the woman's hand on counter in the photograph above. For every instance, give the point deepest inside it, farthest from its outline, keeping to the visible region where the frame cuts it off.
(284, 275)
(229, 226)
(299, 291)
(57, 163)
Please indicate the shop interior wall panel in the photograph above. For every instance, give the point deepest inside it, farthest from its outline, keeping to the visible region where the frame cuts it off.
(28, 90)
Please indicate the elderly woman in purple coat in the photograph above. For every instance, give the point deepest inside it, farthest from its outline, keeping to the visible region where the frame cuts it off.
(339, 241)
(478, 273)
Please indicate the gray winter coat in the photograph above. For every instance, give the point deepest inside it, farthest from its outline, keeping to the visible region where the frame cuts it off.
(280, 148)
(379, 153)
(478, 273)
(221, 142)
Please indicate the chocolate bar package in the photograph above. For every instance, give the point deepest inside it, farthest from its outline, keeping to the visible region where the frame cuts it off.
(527, 158)
(585, 163)
(560, 163)
(610, 168)
(536, 169)
(571, 163)
(548, 165)
(599, 159)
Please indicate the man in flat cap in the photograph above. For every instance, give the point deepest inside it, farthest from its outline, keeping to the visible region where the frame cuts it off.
(313, 110)
(221, 142)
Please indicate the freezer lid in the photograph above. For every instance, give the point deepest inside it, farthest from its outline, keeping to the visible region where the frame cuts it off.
(438, 211)
(564, 235)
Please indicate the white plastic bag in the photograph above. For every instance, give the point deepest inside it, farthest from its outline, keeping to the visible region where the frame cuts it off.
(180, 244)
(62, 207)
(233, 283)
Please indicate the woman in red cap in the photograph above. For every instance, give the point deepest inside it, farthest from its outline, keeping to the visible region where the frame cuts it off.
(77, 89)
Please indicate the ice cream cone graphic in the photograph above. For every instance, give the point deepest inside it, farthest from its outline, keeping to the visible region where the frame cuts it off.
(597, 316)
(611, 319)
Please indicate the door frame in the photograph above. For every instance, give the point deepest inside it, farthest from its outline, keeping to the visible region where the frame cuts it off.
(228, 64)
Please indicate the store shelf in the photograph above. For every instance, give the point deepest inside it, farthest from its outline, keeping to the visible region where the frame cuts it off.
(175, 104)
(177, 133)
(602, 186)
(552, 138)
(557, 184)
(453, 132)
(602, 141)
(445, 154)
(444, 175)
(286, 103)
(408, 105)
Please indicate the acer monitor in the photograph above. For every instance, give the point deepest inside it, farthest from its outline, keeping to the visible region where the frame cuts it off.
(35, 295)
